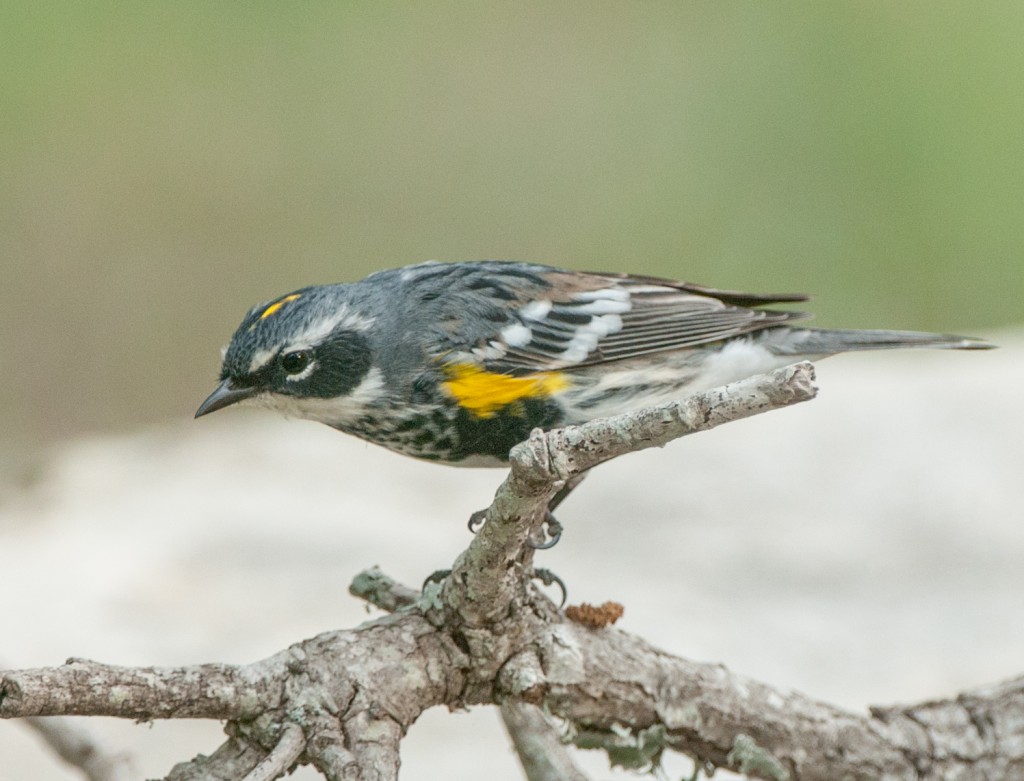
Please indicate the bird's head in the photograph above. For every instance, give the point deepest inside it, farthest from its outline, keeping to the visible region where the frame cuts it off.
(306, 354)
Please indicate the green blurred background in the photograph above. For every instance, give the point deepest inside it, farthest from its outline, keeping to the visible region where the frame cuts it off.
(166, 165)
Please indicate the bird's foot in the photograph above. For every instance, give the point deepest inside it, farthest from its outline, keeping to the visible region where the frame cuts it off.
(549, 578)
(476, 520)
(549, 533)
(545, 576)
(547, 536)
(437, 576)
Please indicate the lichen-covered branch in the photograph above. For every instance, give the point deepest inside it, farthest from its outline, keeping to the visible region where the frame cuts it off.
(342, 701)
(85, 688)
(601, 680)
(618, 693)
(352, 694)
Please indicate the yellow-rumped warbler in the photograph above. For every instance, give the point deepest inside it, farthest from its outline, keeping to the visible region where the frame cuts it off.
(457, 362)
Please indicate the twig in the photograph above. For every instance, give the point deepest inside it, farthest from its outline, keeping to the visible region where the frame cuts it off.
(373, 586)
(541, 753)
(283, 756)
(488, 583)
(231, 761)
(78, 747)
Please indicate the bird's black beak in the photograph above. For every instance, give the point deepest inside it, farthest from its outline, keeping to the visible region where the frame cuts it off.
(225, 395)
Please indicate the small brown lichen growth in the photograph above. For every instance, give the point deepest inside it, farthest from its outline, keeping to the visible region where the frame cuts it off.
(595, 617)
(534, 695)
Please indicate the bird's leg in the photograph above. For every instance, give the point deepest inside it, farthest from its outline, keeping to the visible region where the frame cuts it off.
(552, 529)
(547, 535)
(545, 576)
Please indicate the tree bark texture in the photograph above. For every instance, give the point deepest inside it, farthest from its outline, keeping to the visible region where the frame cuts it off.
(342, 701)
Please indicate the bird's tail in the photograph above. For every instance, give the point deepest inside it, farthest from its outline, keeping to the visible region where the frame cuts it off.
(825, 341)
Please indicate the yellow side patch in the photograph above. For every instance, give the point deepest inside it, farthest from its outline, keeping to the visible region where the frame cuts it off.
(483, 393)
(278, 304)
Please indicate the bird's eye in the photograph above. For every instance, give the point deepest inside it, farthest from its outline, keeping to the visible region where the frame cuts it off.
(296, 361)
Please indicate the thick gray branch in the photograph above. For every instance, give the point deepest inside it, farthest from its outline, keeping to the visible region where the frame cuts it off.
(85, 688)
(342, 701)
(351, 694)
(540, 749)
(617, 692)
(600, 681)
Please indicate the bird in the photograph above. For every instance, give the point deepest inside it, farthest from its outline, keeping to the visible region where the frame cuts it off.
(455, 363)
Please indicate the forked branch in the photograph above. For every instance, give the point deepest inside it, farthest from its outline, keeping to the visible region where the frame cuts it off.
(341, 701)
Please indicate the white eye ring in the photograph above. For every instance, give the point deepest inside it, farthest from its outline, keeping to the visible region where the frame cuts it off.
(298, 363)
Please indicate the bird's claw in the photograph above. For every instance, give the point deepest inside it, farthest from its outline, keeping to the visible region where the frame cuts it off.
(545, 576)
(476, 520)
(437, 576)
(552, 529)
(549, 578)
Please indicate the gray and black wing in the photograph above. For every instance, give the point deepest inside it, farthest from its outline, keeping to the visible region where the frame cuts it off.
(517, 318)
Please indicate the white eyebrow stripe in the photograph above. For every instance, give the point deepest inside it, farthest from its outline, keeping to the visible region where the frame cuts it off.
(342, 317)
(260, 359)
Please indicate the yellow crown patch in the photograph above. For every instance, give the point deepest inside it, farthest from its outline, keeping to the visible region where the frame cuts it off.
(278, 304)
(484, 393)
